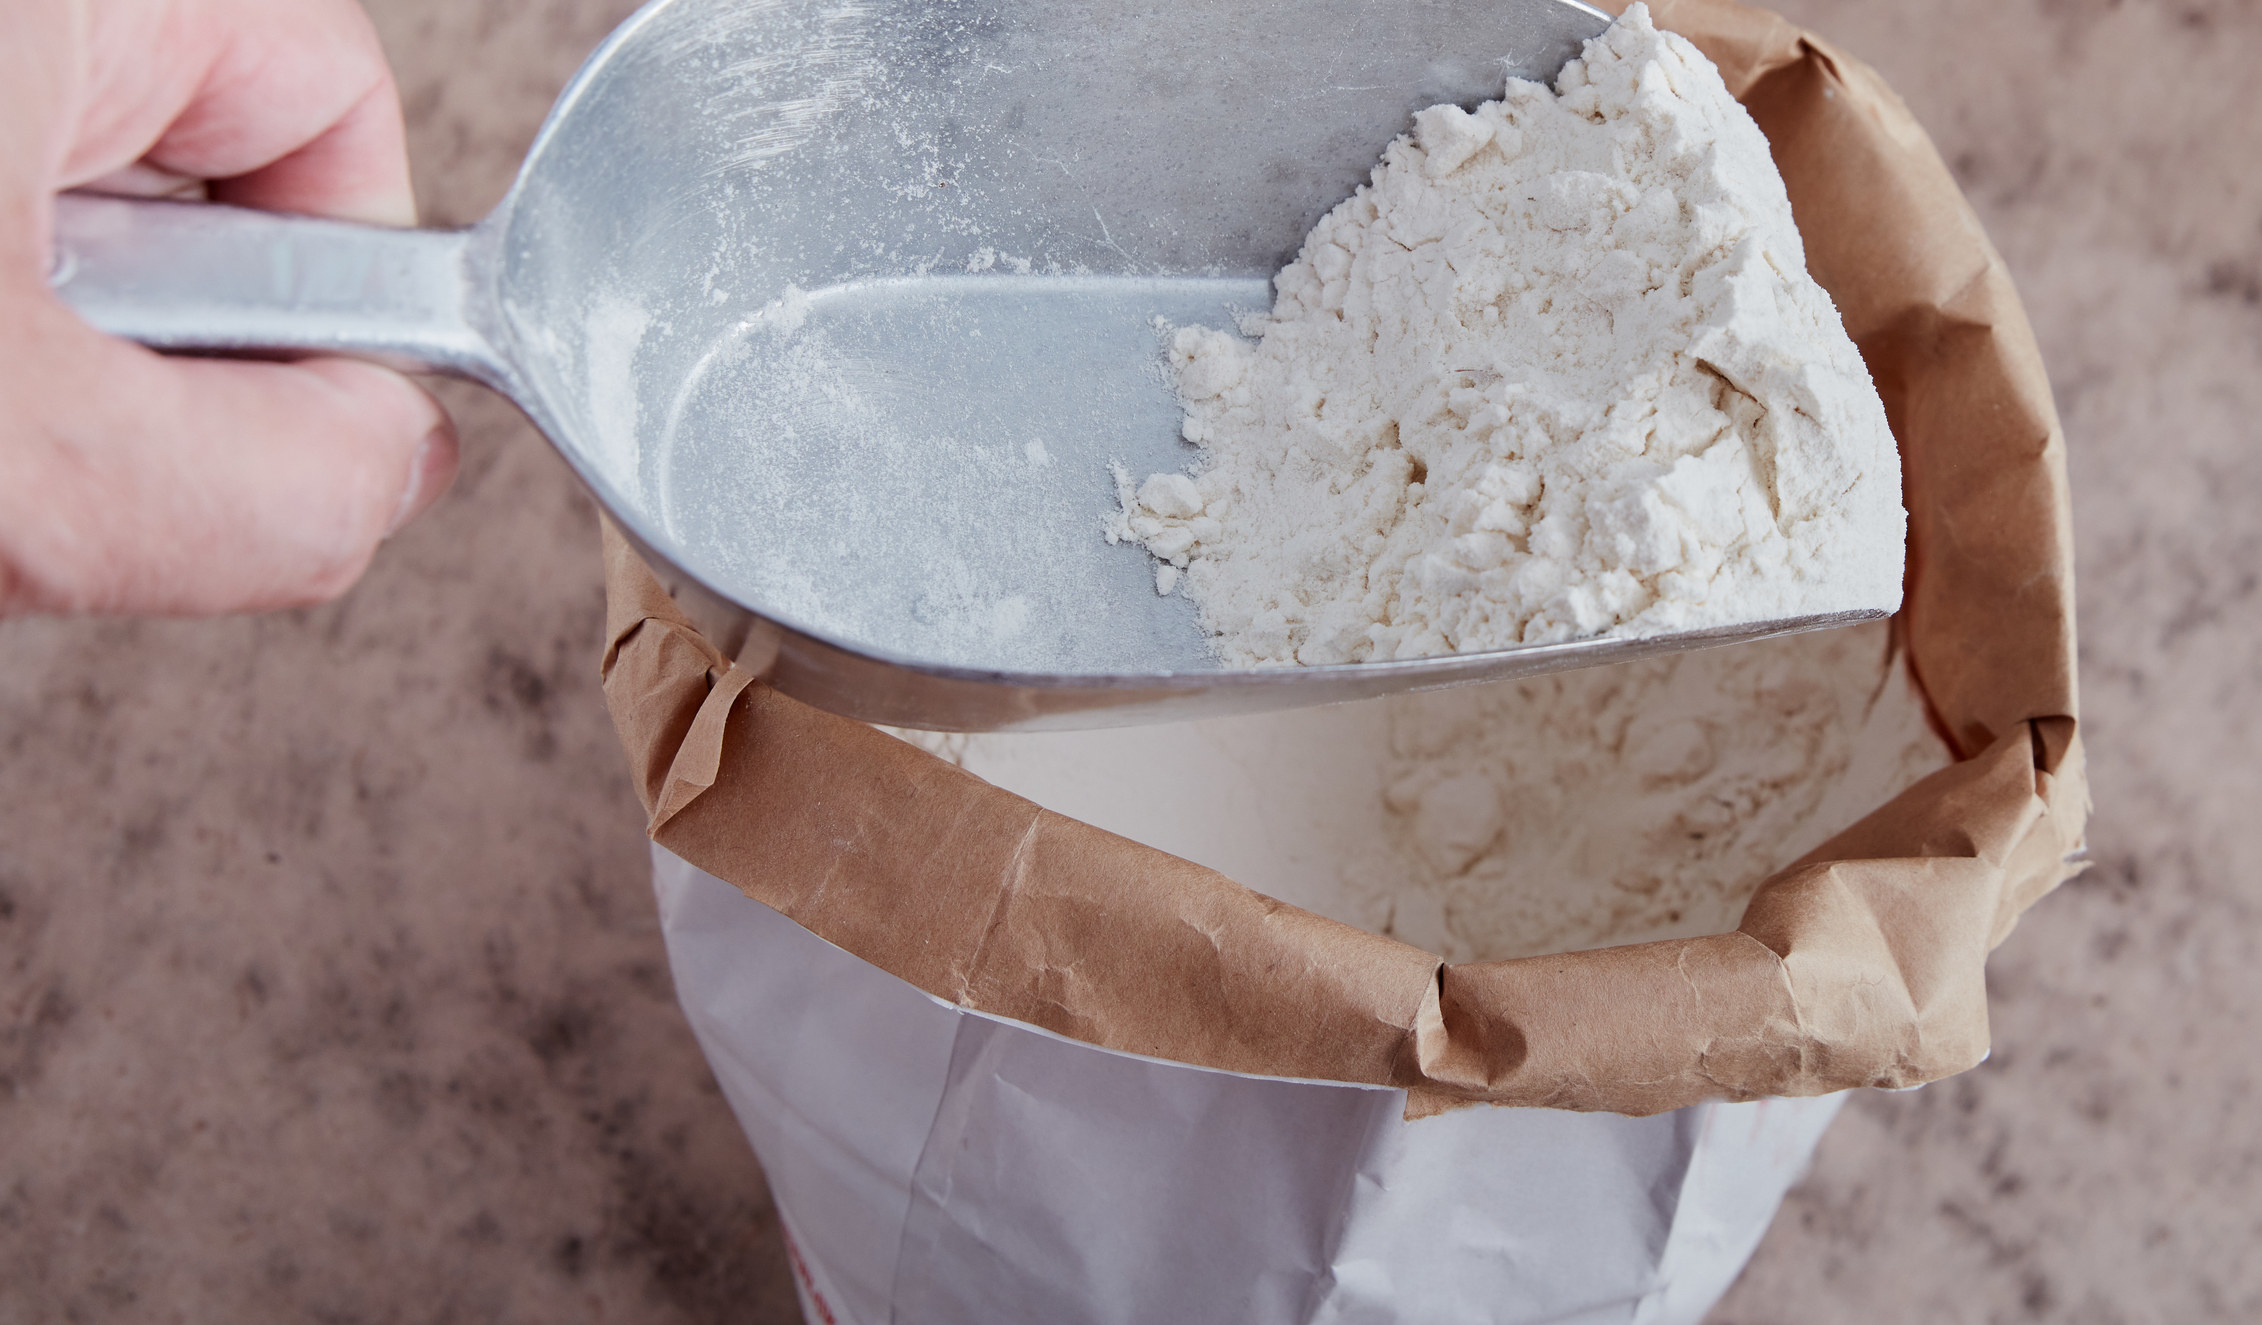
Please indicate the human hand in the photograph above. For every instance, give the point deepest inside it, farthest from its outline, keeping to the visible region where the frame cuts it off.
(132, 482)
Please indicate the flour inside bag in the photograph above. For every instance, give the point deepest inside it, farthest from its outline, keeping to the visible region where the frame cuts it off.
(1571, 811)
(1558, 370)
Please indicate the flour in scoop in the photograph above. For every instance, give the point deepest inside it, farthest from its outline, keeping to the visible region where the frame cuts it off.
(1558, 370)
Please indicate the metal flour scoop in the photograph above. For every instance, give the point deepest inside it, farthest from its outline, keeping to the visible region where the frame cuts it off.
(844, 309)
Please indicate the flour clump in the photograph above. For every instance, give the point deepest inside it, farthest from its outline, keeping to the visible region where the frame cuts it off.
(1558, 370)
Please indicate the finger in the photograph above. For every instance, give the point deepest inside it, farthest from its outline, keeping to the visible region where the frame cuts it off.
(286, 104)
(191, 487)
(356, 170)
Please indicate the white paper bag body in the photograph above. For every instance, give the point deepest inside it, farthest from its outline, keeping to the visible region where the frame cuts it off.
(935, 1166)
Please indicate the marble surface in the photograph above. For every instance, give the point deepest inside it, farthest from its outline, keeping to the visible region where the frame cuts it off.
(330, 990)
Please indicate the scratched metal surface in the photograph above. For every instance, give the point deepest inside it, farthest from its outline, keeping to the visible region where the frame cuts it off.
(848, 309)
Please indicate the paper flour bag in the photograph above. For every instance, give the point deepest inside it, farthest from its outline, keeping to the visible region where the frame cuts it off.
(937, 1165)
(1005, 1063)
(963, 1167)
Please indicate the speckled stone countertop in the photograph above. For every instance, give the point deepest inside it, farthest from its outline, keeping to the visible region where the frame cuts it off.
(330, 988)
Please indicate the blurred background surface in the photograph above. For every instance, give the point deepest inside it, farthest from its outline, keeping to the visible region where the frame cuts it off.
(330, 988)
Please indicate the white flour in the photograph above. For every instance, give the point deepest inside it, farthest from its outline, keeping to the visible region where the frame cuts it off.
(1558, 370)
(1580, 809)
(612, 338)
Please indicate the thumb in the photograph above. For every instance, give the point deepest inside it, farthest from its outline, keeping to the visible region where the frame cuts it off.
(179, 486)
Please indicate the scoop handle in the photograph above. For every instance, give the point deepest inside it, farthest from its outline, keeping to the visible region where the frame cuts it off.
(206, 278)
